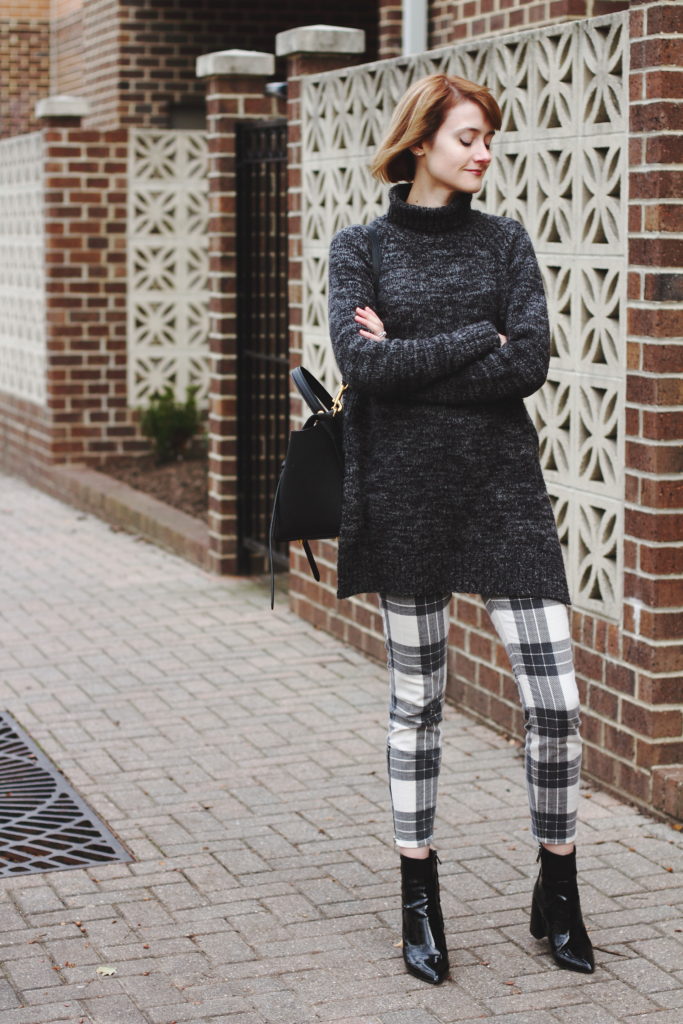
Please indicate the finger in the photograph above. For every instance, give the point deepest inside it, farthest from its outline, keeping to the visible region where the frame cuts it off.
(372, 321)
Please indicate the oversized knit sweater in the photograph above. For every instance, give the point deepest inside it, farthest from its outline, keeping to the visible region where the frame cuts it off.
(443, 489)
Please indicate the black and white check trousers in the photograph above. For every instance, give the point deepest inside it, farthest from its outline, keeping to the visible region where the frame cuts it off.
(536, 636)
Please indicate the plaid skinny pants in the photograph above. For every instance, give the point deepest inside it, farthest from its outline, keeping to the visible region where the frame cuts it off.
(535, 633)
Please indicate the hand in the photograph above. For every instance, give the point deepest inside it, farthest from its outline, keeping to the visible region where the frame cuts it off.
(372, 325)
(503, 340)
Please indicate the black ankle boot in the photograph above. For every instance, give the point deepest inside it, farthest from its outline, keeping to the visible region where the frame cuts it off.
(424, 943)
(556, 912)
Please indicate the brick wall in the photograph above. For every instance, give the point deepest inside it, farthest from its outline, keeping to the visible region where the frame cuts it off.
(24, 63)
(650, 709)
(629, 672)
(141, 56)
(451, 21)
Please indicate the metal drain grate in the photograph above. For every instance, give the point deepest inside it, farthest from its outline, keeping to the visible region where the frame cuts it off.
(44, 824)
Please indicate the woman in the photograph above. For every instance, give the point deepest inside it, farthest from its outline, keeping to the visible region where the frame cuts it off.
(443, 489)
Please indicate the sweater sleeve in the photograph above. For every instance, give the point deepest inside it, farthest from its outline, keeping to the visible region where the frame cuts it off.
(519, 367)
(394, 366)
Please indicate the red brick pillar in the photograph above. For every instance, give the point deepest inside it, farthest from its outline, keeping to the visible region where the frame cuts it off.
(85, 284)
(235, 91)
(653, 554)
(308, 51)
(390, 14)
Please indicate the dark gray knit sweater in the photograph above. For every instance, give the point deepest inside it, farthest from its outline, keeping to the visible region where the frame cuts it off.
(443, 488)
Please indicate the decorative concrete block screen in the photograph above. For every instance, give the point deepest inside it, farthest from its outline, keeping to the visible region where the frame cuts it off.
(560, 167)
(168, 297)
(22, 276)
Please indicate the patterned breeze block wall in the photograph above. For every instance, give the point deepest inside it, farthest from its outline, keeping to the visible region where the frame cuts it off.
(561, 167)
(22, 275)
(168, 296)
(23, 346)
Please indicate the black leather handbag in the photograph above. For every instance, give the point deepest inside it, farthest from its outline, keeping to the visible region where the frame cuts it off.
(308, 497)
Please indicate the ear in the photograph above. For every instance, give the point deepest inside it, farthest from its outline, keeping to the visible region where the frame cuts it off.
(417, 150)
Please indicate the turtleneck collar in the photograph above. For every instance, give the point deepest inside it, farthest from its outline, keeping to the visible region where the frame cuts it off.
(429, 219)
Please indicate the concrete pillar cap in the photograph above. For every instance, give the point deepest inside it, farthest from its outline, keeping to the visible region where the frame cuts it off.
(235, 62)
(320, 39)
(62, 106)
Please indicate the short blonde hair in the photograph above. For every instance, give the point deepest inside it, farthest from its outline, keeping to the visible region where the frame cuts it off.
(419, 114)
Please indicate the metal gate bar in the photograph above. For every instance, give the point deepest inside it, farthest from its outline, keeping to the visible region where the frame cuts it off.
(262, 331)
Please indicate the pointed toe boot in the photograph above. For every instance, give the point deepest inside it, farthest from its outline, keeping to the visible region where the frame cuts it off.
(556, 913)
(424, 942)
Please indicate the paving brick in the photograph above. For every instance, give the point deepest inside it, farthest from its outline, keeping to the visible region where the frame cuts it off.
(669, 999)
(644, 976)
(584, 1013)
(8, 999)
(665, 953)
(48, 1013)
(265, 888)
(661, 1017)
(113, 1010)
(409, 1017)
(32, 973)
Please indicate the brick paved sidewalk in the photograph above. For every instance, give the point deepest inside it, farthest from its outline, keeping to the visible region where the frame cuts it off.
(240, 756)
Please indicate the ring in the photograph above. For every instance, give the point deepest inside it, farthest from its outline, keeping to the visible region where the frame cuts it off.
(382, 335)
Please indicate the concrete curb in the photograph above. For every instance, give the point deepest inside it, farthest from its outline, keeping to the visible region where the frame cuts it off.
(129, 509)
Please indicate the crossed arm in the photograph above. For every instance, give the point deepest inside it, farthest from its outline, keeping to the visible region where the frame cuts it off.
(471, 364)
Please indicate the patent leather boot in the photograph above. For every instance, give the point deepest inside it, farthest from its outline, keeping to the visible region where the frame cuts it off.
(556, 912)
(424, 943)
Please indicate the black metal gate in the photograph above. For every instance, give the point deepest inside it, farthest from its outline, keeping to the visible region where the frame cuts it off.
(262, 323)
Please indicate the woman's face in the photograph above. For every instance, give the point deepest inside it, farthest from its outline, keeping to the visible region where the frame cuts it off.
(456, 157)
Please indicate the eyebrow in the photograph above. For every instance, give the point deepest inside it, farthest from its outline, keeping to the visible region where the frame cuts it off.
(469, 128)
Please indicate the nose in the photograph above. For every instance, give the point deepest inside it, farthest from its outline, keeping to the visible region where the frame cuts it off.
(482, 155)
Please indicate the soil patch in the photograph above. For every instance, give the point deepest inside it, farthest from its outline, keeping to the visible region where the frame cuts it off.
(182, 484)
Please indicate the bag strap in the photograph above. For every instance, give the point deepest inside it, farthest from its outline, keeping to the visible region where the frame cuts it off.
(271, 531)
(316, 397)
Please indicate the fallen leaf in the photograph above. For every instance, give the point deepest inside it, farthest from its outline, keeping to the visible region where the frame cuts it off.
(105, 970)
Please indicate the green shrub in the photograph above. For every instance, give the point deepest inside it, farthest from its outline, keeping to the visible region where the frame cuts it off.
(170, 424)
